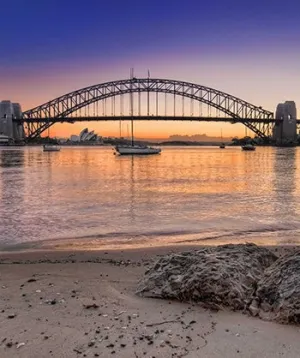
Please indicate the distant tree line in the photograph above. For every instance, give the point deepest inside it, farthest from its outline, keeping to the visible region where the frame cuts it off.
(247, 140)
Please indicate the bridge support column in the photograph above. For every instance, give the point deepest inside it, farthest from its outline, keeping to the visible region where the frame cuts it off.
(9, 127)
(285, 129)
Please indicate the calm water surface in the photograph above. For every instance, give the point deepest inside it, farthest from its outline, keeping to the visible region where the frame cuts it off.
(86, 197)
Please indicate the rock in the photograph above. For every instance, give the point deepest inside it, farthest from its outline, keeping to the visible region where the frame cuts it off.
(11, 316)
(91, 306)
(278, 291)
(219, 276)
(253, 308)
(31, 280)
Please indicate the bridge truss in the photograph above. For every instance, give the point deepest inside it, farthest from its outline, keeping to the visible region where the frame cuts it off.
(68, 108)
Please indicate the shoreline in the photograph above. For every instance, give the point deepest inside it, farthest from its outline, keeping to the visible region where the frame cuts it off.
(83, 304)
(144, 251)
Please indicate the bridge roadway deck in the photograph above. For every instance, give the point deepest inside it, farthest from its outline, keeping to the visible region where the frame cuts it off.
(148, 118)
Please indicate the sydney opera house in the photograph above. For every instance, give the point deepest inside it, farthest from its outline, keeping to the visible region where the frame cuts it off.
(84, 136)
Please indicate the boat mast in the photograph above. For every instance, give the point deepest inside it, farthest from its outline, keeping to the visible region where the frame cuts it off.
(131, 106)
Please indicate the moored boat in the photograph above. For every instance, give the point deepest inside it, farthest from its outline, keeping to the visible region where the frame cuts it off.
(248, 147)
(222, 145)
(51, 148)
(136, 149)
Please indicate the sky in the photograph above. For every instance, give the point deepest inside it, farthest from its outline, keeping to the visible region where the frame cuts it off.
(250, 49)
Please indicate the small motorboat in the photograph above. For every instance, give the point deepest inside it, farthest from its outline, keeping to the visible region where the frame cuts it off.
(248, 147)
(51, 148)
(136, 150)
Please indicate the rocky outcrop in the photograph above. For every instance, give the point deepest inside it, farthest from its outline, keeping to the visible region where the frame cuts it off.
(278, 292)
(216, 276)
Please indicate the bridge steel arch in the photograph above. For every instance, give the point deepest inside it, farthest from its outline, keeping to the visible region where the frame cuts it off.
(40, 118)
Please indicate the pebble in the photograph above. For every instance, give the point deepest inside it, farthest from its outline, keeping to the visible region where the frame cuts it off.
(91, 306)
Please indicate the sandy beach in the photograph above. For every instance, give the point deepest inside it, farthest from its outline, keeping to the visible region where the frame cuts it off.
(83, 304)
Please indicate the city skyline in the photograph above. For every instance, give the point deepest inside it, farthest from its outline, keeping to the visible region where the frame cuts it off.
(236, 48)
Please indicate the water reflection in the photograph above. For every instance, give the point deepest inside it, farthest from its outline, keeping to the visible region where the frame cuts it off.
(132, 190)
(11, 158)
(88, 194)
(284, 186)
(11, 189)
(285, 170)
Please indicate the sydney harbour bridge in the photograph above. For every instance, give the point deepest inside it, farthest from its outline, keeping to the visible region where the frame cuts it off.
(148, 99)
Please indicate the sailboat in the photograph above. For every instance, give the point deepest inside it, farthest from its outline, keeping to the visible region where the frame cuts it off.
(135, 149)
(222, 145)
(50, 147)
(248, 147)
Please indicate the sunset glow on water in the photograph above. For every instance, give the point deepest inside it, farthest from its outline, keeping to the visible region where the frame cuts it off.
(89, 198)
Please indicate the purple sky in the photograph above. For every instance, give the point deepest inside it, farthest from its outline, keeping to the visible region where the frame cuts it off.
(248, 48)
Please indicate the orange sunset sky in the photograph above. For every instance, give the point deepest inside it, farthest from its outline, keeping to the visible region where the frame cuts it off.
(253, 59)
(258, 80)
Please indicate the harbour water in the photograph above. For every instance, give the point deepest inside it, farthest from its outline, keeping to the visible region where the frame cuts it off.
(86, 197)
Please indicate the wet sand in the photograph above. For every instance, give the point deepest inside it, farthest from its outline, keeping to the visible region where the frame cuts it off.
(83, 304)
